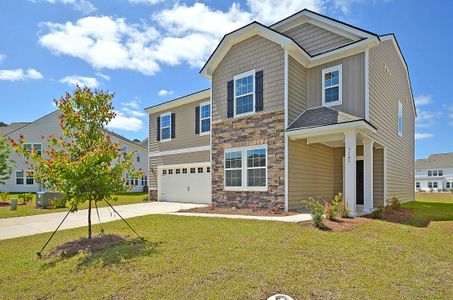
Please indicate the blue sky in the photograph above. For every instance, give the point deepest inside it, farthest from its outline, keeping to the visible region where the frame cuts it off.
(150, 51)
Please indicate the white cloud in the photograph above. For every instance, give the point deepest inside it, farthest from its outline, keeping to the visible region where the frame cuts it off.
(427, 119)
(2, 57)
(183, 33)
(423, 100)
(84, 6)
(134, 104)
(74, 80)
(19, 74)
(150, 2)
(103, 76)
(271, 11)
(104, 42)
(121, 121)
(164, 93)
(420, 136)
(134, 113)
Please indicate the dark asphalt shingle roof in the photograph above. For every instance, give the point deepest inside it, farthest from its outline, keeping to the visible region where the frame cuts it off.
(440, 160)
(321, 116)
(12, 127)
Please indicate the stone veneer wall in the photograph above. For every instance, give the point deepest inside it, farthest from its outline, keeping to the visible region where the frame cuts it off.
(260, 129)
(152, 195)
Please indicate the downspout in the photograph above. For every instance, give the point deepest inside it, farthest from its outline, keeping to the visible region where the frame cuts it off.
(286, 126)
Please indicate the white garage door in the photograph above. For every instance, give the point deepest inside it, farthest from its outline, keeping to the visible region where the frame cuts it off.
(185, 183)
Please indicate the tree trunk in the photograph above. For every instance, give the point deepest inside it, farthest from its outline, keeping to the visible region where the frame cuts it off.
(89, 219)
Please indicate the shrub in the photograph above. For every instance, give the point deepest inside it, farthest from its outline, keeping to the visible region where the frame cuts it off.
(58, 203)
(393, 204)
(377, 213)
(338, 205)
(25, 198)
(4, 196)
(145, 197)
(329, 212)
(317, 210)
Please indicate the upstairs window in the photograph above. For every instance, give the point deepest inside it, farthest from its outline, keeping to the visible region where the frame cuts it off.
(430, 173)
(205, 117)
(400, 119)
(441, 173)
(35, 147)
(332, 86)
(138, 157)
(165, 127)
(244, 93)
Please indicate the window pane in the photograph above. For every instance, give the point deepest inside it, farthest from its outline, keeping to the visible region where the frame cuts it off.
(244, 104)
(233, 160)
(233, 178)
(184, 170)
(200, 170)
(166, 133)
(430, 173)
(206, 125)
(192, 170)
(256, 177)
(165, 121)
(244, 85)
(441, 173)
(256, 158)
(205, 111)
(27, 147)
(332, 94)
(29, 178)
(435, 173)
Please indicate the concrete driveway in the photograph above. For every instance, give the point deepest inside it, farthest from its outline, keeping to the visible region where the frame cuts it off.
(30, 225)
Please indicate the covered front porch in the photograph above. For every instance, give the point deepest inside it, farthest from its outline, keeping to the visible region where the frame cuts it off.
(341, 157)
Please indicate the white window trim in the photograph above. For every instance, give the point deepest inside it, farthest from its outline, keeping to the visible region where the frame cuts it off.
(201, 118)
(338, 68)
(239, 76)
(244, 169)
(15, 177)
(33, 177)
(32, 145)
(400, 114)
(161, 116)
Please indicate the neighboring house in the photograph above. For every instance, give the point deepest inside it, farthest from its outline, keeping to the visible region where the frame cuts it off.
(307, 107)
(22, 180)
(434, 173)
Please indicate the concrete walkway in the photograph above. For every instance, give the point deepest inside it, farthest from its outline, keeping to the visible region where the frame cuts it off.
(290, 219)
(30, 225)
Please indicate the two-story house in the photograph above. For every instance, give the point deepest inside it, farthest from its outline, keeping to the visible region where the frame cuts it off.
(307, 107)
(434, 173)
(36, 134)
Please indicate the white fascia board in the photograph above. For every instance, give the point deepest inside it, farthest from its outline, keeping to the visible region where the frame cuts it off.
(179, 101)
(323, 22)
(179, 151)
(330, 129)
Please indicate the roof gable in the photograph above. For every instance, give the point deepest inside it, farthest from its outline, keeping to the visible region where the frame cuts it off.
(440, 160)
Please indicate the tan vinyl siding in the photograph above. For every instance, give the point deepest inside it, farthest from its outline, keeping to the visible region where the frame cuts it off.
(185, 136)
(378, 177)
(315, 39)
(255, 53)
(353, 72)
(297, 89)
(388, 85)
(311, 172)
(176, 159)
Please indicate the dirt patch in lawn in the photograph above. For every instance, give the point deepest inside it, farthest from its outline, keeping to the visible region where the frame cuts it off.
(341, 224)
(4, 204)
(237, 211)
(84, 245)
(401, 215)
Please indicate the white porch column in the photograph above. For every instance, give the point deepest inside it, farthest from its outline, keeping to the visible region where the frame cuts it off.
(368, 174)
(350, 158)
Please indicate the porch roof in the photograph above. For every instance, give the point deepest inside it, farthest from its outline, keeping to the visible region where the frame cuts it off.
(321, 116)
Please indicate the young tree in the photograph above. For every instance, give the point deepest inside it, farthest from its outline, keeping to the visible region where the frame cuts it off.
(6, 165)
(84, 164)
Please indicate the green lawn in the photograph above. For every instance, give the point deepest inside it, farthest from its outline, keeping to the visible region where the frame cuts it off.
(211, 258)
(28, 210)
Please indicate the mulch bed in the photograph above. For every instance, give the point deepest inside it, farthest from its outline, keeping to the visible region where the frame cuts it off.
(237, 211)
(4, 204)
(342, 224)
(347, 224)
(84, 245)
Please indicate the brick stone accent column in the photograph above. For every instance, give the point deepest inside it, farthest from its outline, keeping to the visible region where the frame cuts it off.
(260, 129)
(152, 195)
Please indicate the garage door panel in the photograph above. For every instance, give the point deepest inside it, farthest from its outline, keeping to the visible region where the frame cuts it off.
(189, 187)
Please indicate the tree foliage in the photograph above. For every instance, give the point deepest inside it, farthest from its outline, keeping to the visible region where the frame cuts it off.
(6, 165)
(84, 164)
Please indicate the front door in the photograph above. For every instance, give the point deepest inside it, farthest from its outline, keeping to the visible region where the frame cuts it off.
(359, 183)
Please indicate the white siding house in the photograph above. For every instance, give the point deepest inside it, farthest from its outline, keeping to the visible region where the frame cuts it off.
(36, 134)
(434, 173)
